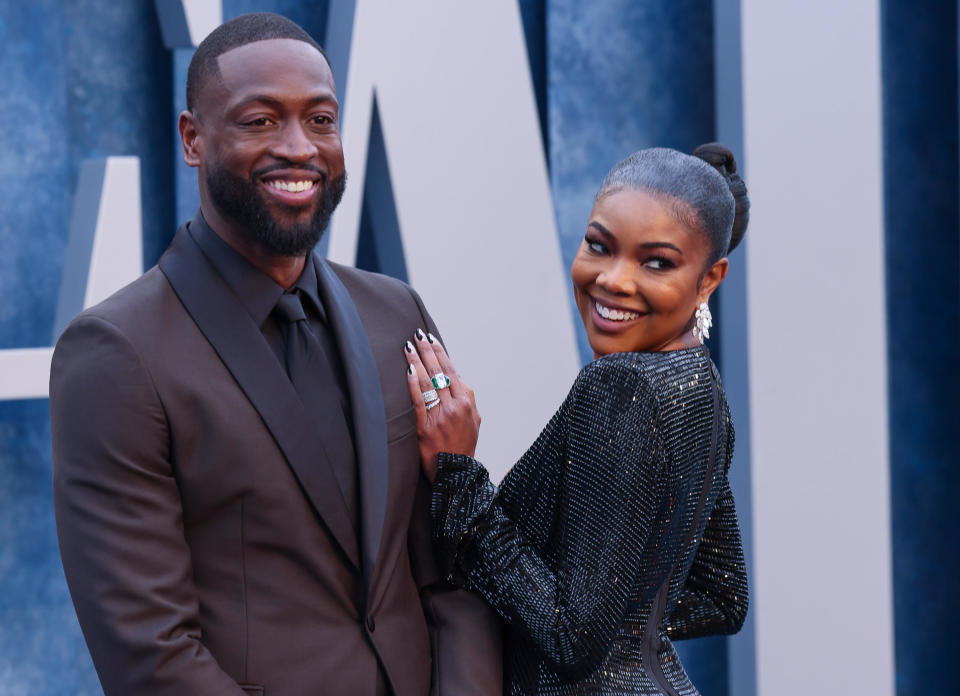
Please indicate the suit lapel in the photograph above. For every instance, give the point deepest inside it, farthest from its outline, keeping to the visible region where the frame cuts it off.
(368, 410)
(248, 357)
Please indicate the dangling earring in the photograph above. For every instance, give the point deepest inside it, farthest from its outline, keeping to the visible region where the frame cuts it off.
(704, 322)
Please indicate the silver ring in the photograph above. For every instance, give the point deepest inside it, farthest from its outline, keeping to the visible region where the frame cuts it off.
(440, 381)
(433, 404)
(430, 396)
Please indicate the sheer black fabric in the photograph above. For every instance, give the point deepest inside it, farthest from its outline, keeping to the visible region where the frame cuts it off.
(614, 502)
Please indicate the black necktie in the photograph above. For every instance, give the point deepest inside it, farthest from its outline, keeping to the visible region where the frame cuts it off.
(313, 378)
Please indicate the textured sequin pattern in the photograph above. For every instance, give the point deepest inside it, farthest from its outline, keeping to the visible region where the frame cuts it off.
(611, 502)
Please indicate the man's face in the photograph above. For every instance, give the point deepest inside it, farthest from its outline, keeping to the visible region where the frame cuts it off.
(269, 147)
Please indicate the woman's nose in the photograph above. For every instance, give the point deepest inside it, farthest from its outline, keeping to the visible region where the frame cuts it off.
(617, 279)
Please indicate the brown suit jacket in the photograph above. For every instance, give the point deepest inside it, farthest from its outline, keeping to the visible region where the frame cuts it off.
(204, 540)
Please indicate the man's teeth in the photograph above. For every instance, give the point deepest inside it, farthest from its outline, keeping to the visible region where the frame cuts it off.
(615, 314)
(293, 186)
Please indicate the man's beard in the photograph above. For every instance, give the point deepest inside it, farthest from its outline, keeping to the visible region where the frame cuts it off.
(242, 202)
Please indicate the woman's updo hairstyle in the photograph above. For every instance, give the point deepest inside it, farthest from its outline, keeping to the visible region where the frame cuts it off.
(704, 191)
(720, 158)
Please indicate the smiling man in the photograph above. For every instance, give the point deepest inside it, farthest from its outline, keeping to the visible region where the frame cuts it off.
(236, 473)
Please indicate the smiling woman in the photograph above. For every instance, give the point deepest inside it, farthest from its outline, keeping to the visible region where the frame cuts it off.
(655, 247)
(616, 532)
(636, 275)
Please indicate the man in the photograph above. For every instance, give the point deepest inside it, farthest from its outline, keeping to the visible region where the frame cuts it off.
(236, 474)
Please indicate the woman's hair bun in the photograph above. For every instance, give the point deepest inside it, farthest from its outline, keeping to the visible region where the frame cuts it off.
(721, 158)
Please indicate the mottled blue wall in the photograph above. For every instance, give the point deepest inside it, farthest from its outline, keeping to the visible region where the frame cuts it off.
(90, 78)
(34, 175)
(118, 85)
(35, 171)
(86, 78)
(921, 190)
(41, 648)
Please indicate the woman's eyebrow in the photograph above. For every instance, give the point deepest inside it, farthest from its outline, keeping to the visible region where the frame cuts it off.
(645, 245)
(660, 245)
(600, 228)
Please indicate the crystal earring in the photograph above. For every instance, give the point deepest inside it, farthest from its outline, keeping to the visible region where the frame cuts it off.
(704, 322)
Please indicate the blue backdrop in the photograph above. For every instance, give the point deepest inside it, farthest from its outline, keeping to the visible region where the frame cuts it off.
(922, 193)
(90, 78)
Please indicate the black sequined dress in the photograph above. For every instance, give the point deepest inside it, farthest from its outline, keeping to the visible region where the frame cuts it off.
(615, 533)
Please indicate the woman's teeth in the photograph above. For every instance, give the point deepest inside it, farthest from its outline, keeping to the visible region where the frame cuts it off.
(292, 186)
(615, 314)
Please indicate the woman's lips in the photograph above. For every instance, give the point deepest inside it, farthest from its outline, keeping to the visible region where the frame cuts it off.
(608, 318)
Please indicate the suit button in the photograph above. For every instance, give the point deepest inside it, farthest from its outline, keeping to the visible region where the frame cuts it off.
(371, 624)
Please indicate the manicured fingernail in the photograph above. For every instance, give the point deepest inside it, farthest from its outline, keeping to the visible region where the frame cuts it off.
(419, 335)
(409, 348)
(411, 370)
(431, 338)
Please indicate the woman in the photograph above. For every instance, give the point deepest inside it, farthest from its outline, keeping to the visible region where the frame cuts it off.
(616, 532)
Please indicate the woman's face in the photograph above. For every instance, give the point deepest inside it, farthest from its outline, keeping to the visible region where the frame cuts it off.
(639, 276)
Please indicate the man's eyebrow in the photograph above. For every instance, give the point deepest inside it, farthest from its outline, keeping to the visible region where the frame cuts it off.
(274, 101)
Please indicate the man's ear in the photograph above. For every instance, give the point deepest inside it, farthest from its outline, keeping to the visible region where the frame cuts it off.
(190, 138)
(713, 277)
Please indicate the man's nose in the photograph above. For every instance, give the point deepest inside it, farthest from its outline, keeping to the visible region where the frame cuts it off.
(293, 143)
(618, 279)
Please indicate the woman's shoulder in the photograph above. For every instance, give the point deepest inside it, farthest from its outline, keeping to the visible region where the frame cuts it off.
(651, 367)
(616, 380)
(644, 374)
(614, 367)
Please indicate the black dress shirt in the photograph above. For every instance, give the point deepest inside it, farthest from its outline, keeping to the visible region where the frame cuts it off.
(258, 294)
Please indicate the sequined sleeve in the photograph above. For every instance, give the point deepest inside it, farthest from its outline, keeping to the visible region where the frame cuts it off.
(714, 597)
(607, 459)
